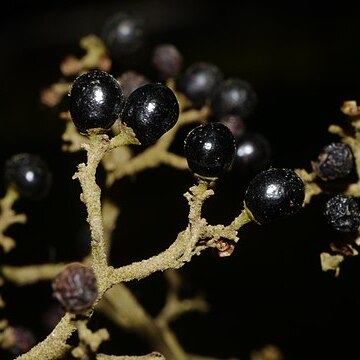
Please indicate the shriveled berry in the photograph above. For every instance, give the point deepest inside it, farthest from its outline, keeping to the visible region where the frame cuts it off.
(123, 34)
(335, 161)
(342, 212)
(199, 82)
(273, 194)
(130, 80)
(167, 60)
(96, 101)
(209, 149)
(151, 110)
(234, 96)
(29, 174)
(75, 288)
(253, 154)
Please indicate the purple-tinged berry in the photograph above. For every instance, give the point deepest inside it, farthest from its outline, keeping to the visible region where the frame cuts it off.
(167, 60)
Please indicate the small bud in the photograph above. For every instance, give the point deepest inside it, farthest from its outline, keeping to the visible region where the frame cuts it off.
(225, 248)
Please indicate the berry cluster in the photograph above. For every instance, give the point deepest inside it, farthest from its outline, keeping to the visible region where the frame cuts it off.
(112, 108)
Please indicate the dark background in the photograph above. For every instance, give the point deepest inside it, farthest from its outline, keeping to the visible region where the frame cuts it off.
(302, 58)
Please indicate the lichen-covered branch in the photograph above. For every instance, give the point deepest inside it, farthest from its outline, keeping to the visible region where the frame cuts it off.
(54, 346)
(152, 356)
(25, 275)
(9, 217)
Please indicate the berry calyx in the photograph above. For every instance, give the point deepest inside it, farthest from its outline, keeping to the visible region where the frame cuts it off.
(199, 82)
(234, 96)
(273, 194)
(96, 101)
(335, 161)
(29, 175)
(75, 288)
(342, 212)
(151, 110)
(209, 149)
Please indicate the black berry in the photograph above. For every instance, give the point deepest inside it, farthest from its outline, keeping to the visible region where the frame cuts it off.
(253, 154)
(199, 82)
(234, 97)
(151, 110)
(342, 212)
(335, 161)
(167, 60)
(29, 174)
(123, 34)
(209, 149)
(75, 288)
(274, 193)
(96, 101)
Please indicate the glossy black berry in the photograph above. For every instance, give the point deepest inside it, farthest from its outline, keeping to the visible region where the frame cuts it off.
(123, 34)
(209, 149)
(274, 193)
(335, 161)
(167, 60)
(75, 288)
(151, 110)
(29, 174)
(199, 82)
(234, 97)
(342, 212)
(253, 154)
(96, 101)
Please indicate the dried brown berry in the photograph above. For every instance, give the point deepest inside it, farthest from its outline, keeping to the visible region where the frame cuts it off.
(75, 288)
